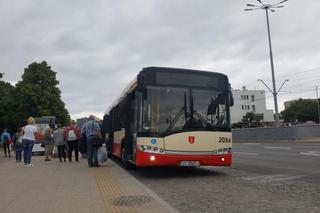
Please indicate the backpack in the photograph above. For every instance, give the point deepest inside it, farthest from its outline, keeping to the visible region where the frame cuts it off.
(72, 135)
(5, 138)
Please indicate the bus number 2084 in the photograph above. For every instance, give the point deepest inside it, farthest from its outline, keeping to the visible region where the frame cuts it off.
(224, 140)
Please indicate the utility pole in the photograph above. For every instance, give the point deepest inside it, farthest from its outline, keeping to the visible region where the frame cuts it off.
(267, 8)
(318, 105)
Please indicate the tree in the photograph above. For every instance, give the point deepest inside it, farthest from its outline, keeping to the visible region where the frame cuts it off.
(38, 95)
(303, 110)
(6, 110)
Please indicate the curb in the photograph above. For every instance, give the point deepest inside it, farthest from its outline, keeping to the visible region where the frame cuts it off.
(163, 203)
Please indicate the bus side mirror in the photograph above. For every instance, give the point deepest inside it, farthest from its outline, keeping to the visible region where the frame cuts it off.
(212, 108)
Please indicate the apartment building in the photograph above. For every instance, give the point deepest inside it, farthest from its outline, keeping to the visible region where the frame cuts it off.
(250, 101)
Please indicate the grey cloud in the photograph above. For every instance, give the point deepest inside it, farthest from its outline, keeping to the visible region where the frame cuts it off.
(97, 47)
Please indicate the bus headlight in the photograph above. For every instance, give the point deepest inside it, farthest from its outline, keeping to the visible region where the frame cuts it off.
(151, 149)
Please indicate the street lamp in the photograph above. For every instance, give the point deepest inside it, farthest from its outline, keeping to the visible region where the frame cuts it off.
(267, 8)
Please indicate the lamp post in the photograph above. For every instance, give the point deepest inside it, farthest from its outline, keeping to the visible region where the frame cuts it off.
(267, 8)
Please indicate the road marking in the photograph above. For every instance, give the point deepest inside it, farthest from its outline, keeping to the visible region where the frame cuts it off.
(250, 143)
(246, 153)
(313, 153)
(276, 147)
(272, 178)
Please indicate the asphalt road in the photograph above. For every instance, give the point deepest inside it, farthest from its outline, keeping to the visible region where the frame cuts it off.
(264, 177)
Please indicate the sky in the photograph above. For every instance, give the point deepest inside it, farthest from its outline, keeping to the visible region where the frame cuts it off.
(98, 47)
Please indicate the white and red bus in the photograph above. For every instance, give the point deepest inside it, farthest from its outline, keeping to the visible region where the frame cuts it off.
(170, 116)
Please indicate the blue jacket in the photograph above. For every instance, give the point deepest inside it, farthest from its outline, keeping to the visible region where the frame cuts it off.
(5, 136)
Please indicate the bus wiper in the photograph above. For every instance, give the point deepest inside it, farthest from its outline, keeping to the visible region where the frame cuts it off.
(201, 118)
(183, 110)
(175, 119)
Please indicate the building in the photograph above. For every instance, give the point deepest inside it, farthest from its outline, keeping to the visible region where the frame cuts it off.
(250, 101)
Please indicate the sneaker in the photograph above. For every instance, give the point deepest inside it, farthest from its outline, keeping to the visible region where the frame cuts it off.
(47, 159)
(30, 165)
(64, 160)
(25, 165)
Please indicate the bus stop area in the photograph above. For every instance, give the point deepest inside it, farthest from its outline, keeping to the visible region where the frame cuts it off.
(73, 187)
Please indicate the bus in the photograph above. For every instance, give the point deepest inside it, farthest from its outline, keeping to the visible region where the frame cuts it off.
(171, 117)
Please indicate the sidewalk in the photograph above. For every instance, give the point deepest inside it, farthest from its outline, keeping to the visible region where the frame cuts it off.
(73, 187)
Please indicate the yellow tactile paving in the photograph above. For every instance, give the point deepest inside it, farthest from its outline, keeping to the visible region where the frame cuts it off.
(122, 194)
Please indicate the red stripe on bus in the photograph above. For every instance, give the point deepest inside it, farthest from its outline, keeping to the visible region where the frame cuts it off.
(143, 159)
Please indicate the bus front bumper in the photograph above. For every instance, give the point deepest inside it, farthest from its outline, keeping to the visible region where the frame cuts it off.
(144, 159)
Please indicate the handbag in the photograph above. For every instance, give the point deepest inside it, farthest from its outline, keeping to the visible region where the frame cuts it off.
(102, 154)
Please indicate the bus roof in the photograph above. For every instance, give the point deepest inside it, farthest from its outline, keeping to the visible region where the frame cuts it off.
(171, 69)
(149, 71)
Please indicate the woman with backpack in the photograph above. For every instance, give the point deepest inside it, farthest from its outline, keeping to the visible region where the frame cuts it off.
(71, 134)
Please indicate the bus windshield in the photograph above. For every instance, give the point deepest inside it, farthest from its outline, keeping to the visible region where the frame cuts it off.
(174, 109)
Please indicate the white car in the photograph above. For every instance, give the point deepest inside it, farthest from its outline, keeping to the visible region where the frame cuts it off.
(37, 149)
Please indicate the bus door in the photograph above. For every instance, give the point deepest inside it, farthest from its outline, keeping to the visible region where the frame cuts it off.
(135, 124)
(134, 101)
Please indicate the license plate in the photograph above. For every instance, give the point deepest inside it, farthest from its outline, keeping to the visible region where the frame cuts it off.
(189, 163)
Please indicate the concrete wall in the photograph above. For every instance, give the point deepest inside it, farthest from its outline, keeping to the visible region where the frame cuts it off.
(292, 133)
